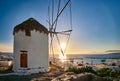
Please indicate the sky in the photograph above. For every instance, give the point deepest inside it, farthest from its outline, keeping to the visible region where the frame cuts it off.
(95, 23)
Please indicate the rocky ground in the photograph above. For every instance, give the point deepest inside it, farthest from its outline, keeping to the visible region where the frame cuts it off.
(55, 74)
(69, 76)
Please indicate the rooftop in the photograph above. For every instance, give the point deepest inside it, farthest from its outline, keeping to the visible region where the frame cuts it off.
(28, 26)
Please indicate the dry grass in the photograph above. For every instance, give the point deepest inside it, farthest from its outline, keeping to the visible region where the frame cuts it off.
(54, 72)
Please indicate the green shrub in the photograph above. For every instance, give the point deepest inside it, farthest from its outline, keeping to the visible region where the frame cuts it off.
(81, 70)
(104, 72)
(115, 74)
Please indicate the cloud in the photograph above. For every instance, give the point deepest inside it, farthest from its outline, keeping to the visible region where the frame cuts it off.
(116, 51)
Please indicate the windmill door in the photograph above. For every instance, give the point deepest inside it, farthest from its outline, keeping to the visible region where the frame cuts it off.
(23, 60)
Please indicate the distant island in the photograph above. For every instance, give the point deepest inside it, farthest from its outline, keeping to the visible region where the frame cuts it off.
(6, 53)
(114, 53)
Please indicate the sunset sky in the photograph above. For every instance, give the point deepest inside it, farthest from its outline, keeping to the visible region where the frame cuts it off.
(96, 23)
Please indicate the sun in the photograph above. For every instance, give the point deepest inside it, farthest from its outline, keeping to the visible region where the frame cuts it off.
(62, 57)
(63, 46)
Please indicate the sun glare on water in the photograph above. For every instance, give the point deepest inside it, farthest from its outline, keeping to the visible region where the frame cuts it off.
(62, 57)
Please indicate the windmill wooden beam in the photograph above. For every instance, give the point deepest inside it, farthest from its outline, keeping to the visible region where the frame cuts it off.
(53, 23)
(67, 32)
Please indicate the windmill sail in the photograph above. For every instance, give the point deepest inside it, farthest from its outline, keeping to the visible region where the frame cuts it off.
(60, 24)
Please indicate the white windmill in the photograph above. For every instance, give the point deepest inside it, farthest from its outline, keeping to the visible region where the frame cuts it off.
(53, 20)
(31, 42)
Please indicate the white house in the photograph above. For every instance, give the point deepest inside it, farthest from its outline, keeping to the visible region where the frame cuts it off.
(30, 47)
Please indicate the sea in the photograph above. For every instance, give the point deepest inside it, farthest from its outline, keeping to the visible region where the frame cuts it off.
(85, 58)
(93, 58)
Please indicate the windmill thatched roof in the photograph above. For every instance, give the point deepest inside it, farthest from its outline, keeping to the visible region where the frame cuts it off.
(28, 26)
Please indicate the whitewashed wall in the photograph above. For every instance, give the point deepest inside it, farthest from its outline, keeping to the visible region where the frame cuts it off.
(37, 47)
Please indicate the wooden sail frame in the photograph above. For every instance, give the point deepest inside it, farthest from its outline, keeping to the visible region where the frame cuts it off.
(52, 26)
